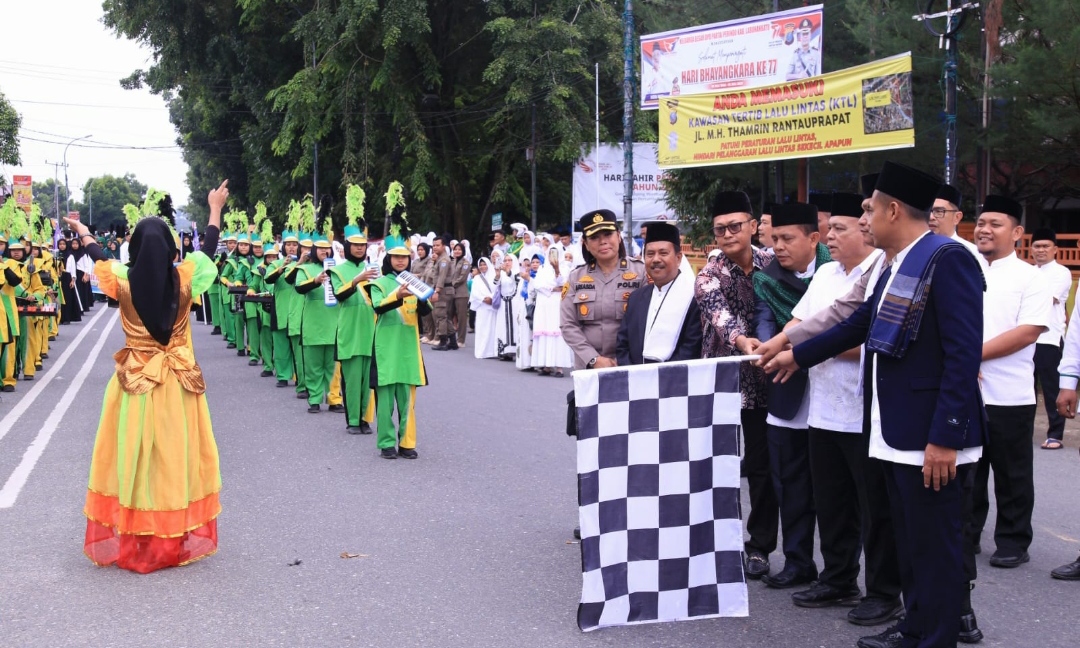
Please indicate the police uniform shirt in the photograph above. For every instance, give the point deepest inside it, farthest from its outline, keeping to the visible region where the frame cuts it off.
(593, 306)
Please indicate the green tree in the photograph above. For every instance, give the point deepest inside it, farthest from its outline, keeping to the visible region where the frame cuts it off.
(46, 195)
(108, 194)
(10, 122)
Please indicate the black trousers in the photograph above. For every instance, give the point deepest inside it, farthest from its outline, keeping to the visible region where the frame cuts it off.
(763, 523)
(1047, 358)
(789, 456)
(853, 513)
(929, 541)
(1009, 453)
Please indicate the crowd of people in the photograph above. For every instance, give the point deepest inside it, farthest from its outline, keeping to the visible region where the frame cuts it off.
(872, 416)
(877, 407)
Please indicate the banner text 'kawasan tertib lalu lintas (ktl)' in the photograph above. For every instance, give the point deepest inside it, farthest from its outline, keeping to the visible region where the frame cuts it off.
(864, 108)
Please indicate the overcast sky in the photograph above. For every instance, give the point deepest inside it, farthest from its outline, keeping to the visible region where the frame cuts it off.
(60, 68)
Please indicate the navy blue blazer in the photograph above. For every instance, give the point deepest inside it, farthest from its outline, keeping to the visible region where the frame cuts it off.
(786, 398)
(931, 395)
(631, 339)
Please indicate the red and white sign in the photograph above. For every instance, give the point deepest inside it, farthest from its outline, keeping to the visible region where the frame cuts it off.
(73, 215)
(24, 191)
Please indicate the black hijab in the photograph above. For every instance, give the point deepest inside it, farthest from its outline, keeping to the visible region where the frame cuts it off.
(78, 252)
(155, 284)
(388, 270)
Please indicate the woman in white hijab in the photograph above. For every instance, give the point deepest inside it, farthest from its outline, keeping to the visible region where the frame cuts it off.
(507, 332)
(524, 300)
(529, 248)
(550, 352)
(482, 301)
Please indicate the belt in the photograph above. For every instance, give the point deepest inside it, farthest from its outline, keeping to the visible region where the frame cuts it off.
(448, 285)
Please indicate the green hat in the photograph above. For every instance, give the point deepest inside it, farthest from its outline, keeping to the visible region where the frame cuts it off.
(271, 250)
(320, 241)
(395, 246)
(307, 239)
(354, 235)
(229, 236)
(289, 236)
(243, 238)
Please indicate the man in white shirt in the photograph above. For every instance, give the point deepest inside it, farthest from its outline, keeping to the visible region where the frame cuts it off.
(836, 442)
(946, 215)
(1069, 369)
(1058, 280)
(1016, 311)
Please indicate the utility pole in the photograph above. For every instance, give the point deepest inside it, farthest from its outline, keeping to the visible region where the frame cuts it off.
(628, 122)
(315, 144)
(56, 184)
(955, 19)
(90, 198)
(531, 155)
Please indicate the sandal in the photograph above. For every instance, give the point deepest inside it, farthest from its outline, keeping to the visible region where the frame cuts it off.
(1051, 444)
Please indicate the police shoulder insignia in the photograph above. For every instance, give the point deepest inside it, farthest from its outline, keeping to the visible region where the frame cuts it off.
(586, 279)
(630, 276)
(625, 296)
(583, 296)
(565, 289)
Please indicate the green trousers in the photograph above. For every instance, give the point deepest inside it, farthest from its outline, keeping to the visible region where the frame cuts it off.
(404, 397)
(226, 320)
(318, 371)
(212, 300)
(254, 338)
(266, 346)
(298, 362)
(356, 388)
(283, 358)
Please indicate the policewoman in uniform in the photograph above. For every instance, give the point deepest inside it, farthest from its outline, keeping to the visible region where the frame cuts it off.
(595, 295)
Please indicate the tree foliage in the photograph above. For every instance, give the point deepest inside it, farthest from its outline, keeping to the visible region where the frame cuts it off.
(10, 122)
(109, 194)
(440, 94)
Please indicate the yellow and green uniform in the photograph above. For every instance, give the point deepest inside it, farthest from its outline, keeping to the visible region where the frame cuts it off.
(397, 363)
(266, 339)
(233, 274)
(250, 311)
(9, 283)
(30, 341)
(355, 339)
(318, 333)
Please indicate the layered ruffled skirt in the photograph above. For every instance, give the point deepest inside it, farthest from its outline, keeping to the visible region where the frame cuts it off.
(152, 500)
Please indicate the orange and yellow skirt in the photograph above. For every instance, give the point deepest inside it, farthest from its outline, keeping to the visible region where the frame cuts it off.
(152, 500)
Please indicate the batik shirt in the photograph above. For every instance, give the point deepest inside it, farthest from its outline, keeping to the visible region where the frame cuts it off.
(725, 295)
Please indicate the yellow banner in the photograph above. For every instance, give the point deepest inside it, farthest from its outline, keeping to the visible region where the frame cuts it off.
(864, 108)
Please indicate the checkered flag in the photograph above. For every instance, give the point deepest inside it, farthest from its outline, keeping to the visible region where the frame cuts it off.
(658, 491)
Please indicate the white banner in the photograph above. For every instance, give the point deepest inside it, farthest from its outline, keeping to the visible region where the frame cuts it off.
(741, 53)
(607, 169)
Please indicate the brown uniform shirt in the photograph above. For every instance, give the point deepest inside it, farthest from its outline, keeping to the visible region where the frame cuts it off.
(593, 305)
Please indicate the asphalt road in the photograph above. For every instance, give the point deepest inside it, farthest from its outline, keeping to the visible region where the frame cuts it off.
(468, 546)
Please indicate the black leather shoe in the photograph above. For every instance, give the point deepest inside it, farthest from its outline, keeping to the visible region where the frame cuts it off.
(230, 345)
(787, 578)
(756, 565)
(1008, 560)
(253, 362)
(241, 352)
(365, 428)
(27, 377)
(872, 611)
(282, 383)
(302, 395)
(821, 595)
(388, 453)
(354, 429)
(313, 409)
(336, 408)
(408, 453)
(7, 388)
(1065, 572)
(577, 533)
(891, 638)
(216, 331)
(265, 373)
(45, 356)
(452, 344)
(969, 629)
(443, 345)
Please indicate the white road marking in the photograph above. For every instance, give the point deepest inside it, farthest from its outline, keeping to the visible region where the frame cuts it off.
(18, 479)
(8, 422)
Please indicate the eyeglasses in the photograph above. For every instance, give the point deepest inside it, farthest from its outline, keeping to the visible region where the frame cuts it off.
(938, 212)
(734, 228)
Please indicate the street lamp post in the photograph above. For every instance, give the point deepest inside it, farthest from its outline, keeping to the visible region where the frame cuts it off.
(66, 188)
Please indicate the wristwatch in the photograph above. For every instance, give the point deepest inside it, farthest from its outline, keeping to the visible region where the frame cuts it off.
(591, 363)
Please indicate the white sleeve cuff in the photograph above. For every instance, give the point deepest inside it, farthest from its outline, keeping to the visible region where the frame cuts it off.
(1067, 382)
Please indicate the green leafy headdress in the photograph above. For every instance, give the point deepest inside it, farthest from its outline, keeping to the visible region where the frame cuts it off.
(395, 211)
(356, 227)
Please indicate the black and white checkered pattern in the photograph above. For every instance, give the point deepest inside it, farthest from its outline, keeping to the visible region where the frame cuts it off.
(658, 491)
